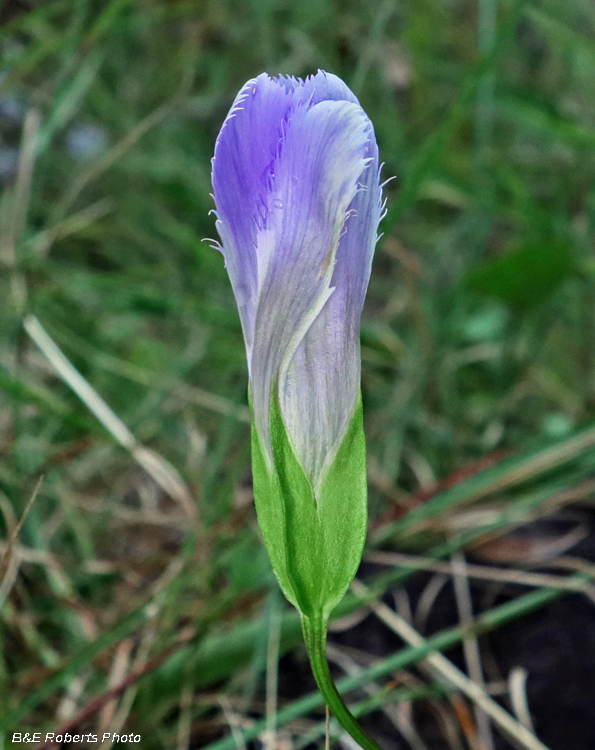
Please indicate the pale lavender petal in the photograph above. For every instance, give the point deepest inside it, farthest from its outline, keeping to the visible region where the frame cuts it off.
(318, 88)
(321, 385)
(322, 156)
(324, 86)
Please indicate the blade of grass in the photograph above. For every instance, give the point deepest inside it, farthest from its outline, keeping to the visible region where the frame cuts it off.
(517, 690)
(13, 229)
(84, 657)
(106, 20)
(497, 478)
(560, 33)
(10, 560)
(392, 696)
(35, 16)
(453, 676)
(144, 615)
(429, 154)
(272, 669)
(156, 466)
(69, 100)
(198, 396)
(471, 649)
(373, 45)
(31, 60)
(116, 152)
(445, 639)
(487, 22)
(30, 392)
(482, 572)
(531, 116)
(41, 242)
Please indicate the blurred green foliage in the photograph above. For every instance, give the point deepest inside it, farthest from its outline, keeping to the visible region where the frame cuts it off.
(526, 277)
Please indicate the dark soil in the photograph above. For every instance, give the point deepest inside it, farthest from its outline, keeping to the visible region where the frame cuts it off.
(556, 645)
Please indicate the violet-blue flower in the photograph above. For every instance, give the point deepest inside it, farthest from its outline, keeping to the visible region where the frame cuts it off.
(296, 186)
(295, 177)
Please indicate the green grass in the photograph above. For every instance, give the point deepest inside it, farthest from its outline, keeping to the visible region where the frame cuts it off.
(477, 338)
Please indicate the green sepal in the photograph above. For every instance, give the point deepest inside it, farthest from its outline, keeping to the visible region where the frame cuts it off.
(314, 537)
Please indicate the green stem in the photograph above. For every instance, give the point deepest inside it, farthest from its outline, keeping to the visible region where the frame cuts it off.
(315, 630)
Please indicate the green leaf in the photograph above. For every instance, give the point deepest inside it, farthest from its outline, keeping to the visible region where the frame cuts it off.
(542, 118)
(314, 537)
(526, 276)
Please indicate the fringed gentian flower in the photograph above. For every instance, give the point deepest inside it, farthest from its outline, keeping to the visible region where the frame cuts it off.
(298, 202)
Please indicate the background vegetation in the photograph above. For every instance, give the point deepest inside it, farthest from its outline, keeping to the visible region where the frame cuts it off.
(139, 568)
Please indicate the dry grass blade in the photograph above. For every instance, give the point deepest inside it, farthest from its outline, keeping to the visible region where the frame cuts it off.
(27, 554)
(185, 720)
(234, 722)
(453, 676)
(22, 190)
(14, 224)
(155, 465)
(98, 703)
(178, 388)
(583, 566)
(119, 669)
(508, 473)
(140, 666)
(211, 401)
(270, 742)
(485, 572)
(115, 153)
(427, 600)
(69, 702)
(148, 636)
(42, 241)
(465, 722)
(471, 645)
(517, 689)
(398, 715)
(9, 564)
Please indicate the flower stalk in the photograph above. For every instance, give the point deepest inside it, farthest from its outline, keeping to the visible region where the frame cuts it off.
(315, 631)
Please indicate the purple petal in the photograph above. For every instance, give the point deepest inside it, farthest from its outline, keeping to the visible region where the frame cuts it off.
(243, 167)
(322, 382)
(326, 86)
(244, 156)
(318, 88)
(294, 159)
(321, 159)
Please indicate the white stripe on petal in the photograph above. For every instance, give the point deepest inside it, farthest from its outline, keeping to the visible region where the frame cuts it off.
(322, 155)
